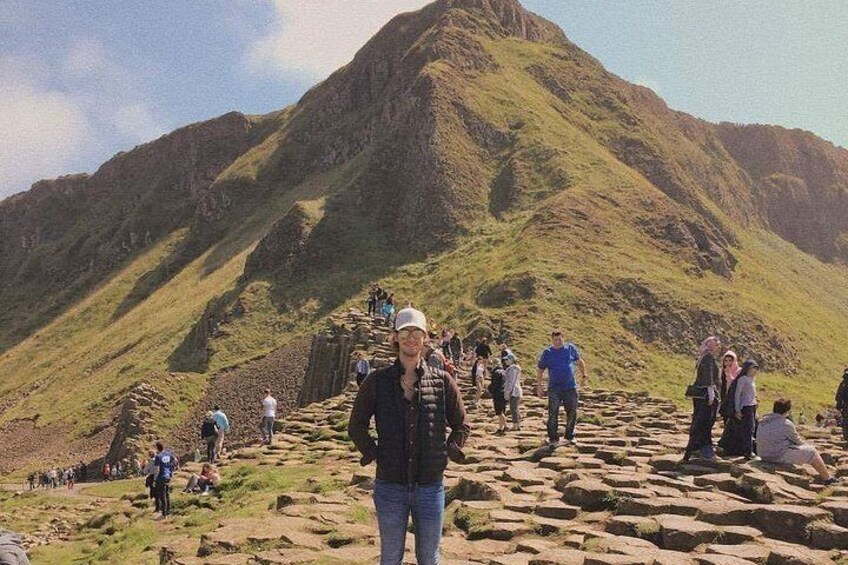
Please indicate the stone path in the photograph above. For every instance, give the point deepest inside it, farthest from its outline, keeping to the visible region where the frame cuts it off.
(619, 497)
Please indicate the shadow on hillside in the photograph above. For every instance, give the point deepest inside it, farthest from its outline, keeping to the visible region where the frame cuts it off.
(341, 256)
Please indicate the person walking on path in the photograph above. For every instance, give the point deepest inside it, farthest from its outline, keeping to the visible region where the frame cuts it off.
(412, 405)
(149, 479)
(729, 371)
(842, 404)
(456, 348)
(778, 442)
(558, 360)
(745, 407)
(362, 367)
(269, 415)
(512, 390)
(482, 349)
(223, 424)
(705, 394)
(164, 465)
(209, 434)
(496, 389)
(478, 376)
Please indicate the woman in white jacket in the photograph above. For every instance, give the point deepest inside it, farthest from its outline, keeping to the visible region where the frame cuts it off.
(512, 389)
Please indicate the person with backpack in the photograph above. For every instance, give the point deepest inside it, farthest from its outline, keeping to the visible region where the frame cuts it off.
(512, 390)
(412, 405)
(209, 434)
(842, 404)
(559, 360)
(705, 393)
(164, 465)
(496, 389)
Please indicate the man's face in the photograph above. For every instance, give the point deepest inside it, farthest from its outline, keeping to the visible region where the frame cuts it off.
(411, 341)
(715, 347)
(556, 339)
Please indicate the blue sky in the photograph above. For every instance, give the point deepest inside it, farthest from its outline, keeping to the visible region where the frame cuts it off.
(82, 80)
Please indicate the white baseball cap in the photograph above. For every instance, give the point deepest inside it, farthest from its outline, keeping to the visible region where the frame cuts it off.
(410, 318)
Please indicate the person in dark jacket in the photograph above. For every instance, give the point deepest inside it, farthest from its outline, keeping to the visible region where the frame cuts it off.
(412, 405)
(456, 348)
(209, 434)
(842, 403)
(706, 400)
(496, 389)
(482, 349)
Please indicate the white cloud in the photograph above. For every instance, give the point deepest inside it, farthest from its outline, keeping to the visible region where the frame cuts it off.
(317, 37)
(57, 114)
(42, 131)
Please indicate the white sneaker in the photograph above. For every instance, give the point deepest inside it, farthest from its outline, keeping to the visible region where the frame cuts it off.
(204, 493)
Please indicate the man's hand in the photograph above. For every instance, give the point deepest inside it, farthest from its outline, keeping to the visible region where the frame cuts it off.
(738, 415)
(539, 390)
(584, 379)
(455, 454)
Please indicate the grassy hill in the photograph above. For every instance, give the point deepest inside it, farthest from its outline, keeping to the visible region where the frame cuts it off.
(476, 162)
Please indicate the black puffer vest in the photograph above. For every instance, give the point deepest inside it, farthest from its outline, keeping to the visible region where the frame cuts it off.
(390, 417)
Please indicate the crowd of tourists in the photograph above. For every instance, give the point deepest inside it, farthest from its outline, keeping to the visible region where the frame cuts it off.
(724, 389)
(422, 422)
(56, 477)
(381, 304)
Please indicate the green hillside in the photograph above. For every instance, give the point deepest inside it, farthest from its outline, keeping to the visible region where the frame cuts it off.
(495, 175)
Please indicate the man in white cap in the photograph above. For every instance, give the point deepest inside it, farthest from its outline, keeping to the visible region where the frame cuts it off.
(412, 405)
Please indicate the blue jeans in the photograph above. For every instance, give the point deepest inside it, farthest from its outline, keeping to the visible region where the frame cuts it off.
(394, 504)
(267, 429)
(568, 399)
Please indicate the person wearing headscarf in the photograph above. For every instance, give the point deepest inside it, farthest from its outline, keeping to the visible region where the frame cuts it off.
(729, 370)
(705, 400)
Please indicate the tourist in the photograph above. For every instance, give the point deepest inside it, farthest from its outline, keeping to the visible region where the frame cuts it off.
(69, 478)
(729, 370)
(558, 360)
(433, 354)
(482, 349)
(164, 465)
(706, 397)
(842, 404)
(201, 483)
(412, 405)
(149, 480)
(31, 480)
(388, 312)
(107, 471)
(456, 348)
(209, 434)
(512, 390)
(372, 300)
(478, 376)
(362, 367)
(496, 389)
(778, 442)
(223, 423)
(445, 343)
(269, 415)
(745, 407)
(505, 352)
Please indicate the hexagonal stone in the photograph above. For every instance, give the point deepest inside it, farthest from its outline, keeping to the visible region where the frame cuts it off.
(659, 505)
(839, 509)
(824, 535)
(589, 494)
(749, 551)
(680, 533)
(787, 522)
(556, 509)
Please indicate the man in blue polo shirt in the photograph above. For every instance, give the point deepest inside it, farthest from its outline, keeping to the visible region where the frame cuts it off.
(559, 360)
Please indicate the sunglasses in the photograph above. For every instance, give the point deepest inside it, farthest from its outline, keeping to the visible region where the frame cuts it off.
(406, 332)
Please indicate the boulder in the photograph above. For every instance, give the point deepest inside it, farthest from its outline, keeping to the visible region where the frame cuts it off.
(589, 494)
